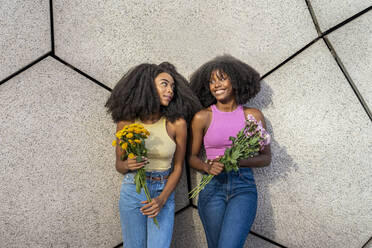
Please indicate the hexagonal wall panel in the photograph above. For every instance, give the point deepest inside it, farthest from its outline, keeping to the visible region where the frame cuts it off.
(58, 186)
(25, 34)
(332, 12)
(105, 40)
(317, 191)
(353, 43)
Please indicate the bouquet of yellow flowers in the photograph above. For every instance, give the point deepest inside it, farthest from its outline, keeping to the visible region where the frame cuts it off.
(249, 141)
(132, 141)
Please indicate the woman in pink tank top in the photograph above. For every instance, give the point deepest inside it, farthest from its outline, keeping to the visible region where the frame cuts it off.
(227, 205)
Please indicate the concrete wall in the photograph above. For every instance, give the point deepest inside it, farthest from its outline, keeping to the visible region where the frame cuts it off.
(58, 185)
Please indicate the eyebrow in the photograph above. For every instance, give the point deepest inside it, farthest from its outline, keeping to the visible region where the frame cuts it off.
(167, 80)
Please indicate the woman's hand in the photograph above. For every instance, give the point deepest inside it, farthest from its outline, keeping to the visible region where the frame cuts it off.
(214, 166)
(132, 163)
(153, 208)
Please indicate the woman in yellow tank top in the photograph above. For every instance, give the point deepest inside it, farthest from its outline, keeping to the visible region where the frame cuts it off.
(159, 98)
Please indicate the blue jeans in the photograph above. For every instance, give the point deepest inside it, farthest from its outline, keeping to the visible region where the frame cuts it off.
(138, 230)
(227, 208)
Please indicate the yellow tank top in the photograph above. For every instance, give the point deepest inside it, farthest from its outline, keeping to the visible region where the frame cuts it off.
(160, 147)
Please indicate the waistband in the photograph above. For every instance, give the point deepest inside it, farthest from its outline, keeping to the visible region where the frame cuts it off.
(159, 175)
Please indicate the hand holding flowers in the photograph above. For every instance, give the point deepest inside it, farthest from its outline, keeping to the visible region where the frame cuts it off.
(132, 141)
(249, 141)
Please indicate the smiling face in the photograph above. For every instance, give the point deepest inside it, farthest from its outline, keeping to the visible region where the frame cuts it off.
(220, 86)
(164, 85)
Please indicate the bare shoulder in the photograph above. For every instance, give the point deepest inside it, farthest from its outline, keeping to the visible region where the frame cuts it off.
(121, 124)
(178, 124)
(257, 114)
(203, 115)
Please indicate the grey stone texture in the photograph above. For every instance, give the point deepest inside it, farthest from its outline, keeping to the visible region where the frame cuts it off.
(316, 193)
(106, 39)
(353, 43)
(369, 244)
(25, 34)
(332, 12)
(181, 198)
(58, 185)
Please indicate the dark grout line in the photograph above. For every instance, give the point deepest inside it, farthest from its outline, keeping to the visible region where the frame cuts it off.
(82, 73)
(193, 206)
(367, 243)
(346, 21)
(188, 179)
(182, 209)
(266, 239)
(290, 58)
(51, 26)
(313, 17)
(119, 245)
(25, 68)
(348, 78)
(320, 34)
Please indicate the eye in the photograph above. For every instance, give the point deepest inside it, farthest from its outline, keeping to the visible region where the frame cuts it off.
(163, 83)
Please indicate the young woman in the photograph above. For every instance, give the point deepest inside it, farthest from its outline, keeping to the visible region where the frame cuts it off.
(159, 98)
(227, 205)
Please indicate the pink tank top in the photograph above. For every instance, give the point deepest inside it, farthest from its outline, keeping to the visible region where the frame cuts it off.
(223, 125)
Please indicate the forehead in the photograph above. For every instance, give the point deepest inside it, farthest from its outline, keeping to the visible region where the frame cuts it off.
(164, 76)
(218, 73)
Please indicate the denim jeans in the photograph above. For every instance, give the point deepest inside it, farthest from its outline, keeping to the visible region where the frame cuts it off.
(138, 230)
(227, 208)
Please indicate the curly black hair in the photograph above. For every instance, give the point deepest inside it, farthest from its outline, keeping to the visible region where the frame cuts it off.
(244, 79)
(135, 95)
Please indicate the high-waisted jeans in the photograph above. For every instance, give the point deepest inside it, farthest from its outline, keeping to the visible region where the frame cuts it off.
(138, 230)
(227, 208)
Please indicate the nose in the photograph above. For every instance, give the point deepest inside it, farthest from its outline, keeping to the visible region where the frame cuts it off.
(170, 89)
(217, 84)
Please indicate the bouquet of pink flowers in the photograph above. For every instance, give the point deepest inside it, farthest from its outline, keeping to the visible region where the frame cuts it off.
(248, 142)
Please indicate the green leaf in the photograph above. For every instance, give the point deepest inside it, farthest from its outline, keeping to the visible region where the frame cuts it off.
(139, 159)
(138, 183)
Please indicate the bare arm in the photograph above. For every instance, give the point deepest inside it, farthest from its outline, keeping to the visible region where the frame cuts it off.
(264, 156)
(198, 125)
(129, 164)
(153, 208)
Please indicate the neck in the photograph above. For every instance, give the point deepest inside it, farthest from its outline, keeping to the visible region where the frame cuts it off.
(152, 119)
(228, 106)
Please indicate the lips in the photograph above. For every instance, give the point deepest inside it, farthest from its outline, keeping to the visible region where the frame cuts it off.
(219, 92)
(168, 98)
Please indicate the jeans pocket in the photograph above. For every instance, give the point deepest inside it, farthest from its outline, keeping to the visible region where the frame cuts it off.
(129, 178)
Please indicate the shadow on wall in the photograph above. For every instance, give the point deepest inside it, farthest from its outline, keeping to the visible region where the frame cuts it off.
(188, 231)
(281, 165)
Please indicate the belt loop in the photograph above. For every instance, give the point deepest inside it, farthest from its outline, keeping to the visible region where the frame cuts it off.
(162, 177)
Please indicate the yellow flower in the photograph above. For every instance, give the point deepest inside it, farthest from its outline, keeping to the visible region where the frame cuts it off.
(131, 142)
(124, 146)
(137, 130)
(114, 143)
(129, 135)
(137, 141)
(119, 134)
(131, 155)
(130, 129)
